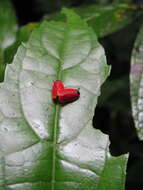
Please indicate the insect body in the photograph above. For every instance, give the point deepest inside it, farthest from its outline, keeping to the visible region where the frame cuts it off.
(63, 95)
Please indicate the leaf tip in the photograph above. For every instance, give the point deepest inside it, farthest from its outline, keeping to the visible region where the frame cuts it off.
(73, 17)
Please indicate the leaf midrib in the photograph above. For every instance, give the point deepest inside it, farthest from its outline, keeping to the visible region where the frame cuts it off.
(57, 108)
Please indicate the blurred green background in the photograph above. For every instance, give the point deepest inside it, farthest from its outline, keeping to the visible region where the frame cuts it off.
(113, 113)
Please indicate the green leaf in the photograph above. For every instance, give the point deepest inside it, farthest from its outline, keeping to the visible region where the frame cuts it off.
(8, 29)
(104, 18)
(136, 80)
(44, 146)
(22, 36)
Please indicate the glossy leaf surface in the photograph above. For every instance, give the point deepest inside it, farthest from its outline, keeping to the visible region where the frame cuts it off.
(104, 18)
(44, 146)
(136, 79)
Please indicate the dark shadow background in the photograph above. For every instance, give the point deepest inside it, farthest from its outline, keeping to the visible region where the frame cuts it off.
(113, 112)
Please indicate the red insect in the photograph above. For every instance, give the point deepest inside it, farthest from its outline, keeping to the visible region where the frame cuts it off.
(63, 95)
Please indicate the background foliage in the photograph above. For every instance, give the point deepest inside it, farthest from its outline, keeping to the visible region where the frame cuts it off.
(118, 25)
